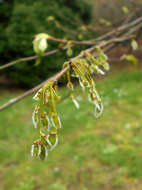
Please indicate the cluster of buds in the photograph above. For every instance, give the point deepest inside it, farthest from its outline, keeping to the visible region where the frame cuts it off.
(96, 62)
(83, 69)
(46, 120)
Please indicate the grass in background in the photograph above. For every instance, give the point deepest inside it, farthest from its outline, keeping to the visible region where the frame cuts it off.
(104, 153)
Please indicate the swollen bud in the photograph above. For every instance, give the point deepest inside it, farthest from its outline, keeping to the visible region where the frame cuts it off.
(45, 141)
(43, 153)
(45, 121)
(134, 45)
(56, 120)
(106, 66)
(86, 83)
(53, 138)
(37, 96)
(34, 149)
(70, 86)
(40, 43)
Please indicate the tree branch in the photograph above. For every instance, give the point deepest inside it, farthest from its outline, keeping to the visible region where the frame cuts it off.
(56, 77)
(87, 42)
(28, 59)
(106, 45)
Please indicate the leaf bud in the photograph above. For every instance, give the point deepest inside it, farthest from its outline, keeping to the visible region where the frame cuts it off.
(56, 120)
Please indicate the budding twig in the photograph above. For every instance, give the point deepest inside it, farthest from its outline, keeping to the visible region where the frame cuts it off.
(28, 59)
(87, 42)
(56, 77)
(107, 45)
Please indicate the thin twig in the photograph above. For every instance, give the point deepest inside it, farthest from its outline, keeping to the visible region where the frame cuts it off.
(27, 93)
(121, 28)
(45, 54)
(106, 46)
(84, 42)
(62, 72)
(28, 59)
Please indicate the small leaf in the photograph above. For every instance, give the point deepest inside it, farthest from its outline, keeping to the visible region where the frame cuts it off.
(98, 70)
(130, 58)
(134, 45)
(69, 52)
(125, 9)
(43, 153)
(45, 141)
(53, 138)
(56, 120)
(70, 86)
(34, 150)
(38, 95)
(106, 66)
(38, 61)
(45, 121)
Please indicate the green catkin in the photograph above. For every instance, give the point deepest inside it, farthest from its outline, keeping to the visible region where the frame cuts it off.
(47, 98)
(46, 121)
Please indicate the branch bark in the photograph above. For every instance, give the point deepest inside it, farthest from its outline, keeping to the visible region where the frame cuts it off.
(106, 45)
(87, 42)
(56, 77)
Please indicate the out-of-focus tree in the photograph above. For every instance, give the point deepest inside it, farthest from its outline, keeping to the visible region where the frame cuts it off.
(22, 20)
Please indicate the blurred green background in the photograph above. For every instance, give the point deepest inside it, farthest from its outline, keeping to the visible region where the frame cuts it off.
(104, 153)
(93, 154)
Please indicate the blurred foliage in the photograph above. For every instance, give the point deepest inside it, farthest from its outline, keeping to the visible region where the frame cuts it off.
(22, 20)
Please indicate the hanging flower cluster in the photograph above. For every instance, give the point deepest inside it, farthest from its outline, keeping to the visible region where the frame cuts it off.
(45, 117)
(46, 120)
(83, 68)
